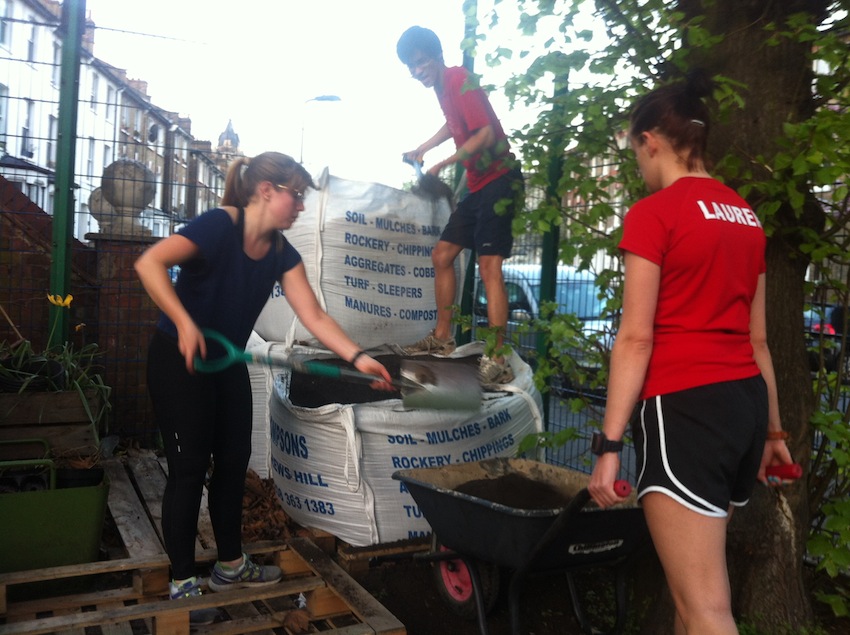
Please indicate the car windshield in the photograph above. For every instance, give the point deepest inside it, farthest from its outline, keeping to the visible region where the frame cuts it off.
(578, 297)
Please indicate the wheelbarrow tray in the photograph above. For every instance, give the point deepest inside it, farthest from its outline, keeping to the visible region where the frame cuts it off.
(507, 536)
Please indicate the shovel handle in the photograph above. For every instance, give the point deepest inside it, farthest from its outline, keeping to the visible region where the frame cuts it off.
(234, 355)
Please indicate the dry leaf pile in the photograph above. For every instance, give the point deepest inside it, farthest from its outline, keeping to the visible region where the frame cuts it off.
(262, 516)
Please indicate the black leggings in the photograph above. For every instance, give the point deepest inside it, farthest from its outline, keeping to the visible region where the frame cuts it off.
(200, 416)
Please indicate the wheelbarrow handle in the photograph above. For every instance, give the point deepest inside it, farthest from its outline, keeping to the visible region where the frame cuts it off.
(622, 488)
(582, 498)
(791, 472)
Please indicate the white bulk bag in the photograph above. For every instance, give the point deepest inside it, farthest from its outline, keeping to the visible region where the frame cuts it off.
(367, 250)
(262, 379)
(333, 465)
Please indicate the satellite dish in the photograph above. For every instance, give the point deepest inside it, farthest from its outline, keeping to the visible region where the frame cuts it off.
(153, 133)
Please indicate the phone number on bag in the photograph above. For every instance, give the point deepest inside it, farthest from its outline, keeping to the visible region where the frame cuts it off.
(326, 508)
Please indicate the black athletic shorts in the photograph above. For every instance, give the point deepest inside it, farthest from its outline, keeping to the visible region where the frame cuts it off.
(703, 446)
(482, 223)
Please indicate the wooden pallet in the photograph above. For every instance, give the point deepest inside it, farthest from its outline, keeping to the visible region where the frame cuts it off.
(358, 560)
(128, 595)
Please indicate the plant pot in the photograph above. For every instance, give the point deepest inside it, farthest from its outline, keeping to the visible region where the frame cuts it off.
(52, 524)
(52, 527)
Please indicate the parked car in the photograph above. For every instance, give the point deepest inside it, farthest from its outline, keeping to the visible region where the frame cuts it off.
(576, 293)
(823, 324)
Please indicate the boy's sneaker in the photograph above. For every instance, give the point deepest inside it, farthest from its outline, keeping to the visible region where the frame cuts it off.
(249, 574)
(190, 588)
(432, 346)
(491, 372)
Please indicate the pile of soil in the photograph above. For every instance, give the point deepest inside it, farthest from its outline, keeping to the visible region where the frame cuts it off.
(515, 490)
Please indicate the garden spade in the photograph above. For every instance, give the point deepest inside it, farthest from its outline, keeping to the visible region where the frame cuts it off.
(426, 384)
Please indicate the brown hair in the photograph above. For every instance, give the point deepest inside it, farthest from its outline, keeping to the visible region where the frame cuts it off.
(678, 112)
(245, 174)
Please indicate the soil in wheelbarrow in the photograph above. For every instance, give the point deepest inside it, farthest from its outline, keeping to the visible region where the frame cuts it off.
(515, 490)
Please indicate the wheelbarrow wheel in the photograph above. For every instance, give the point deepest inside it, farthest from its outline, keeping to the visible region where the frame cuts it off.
(454, 584)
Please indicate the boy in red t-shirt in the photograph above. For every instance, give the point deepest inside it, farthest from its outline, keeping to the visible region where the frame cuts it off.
(483, 218)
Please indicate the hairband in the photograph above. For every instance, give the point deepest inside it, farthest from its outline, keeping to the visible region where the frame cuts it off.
(698, 122)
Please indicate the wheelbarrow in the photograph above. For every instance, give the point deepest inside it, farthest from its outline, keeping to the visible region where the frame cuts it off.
(525, 517)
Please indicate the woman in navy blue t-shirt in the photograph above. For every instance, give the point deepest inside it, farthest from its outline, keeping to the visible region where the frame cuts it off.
(230, 258)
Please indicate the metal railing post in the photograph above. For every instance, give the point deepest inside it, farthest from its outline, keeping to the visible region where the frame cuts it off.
(73, 24)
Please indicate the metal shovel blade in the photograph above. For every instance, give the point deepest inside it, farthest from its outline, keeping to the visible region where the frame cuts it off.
(440, 385)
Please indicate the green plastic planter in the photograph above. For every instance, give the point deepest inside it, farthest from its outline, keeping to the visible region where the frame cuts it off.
(52, 527)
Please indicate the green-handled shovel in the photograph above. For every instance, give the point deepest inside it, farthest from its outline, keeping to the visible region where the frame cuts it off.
(427, 384)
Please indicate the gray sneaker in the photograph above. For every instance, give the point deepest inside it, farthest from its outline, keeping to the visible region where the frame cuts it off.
(189, 589)
(491, 372)
(432, 346)
(250, 574)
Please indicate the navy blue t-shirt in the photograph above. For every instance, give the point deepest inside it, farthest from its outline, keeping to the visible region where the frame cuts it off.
(223, 288)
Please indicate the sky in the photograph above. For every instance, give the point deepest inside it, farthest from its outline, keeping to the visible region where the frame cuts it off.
(261, 63)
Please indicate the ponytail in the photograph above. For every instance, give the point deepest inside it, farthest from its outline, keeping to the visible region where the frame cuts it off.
(245, 174)
(678, 111)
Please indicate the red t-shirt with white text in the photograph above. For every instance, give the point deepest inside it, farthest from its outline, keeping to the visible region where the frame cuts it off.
(710, 247)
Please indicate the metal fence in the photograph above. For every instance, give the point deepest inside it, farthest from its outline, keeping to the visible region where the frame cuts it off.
(560, 413)
(135, 173)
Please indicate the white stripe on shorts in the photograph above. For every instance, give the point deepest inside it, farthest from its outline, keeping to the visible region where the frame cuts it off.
(709, 509)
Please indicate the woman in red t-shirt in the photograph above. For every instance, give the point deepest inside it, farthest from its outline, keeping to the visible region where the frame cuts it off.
(691, 352)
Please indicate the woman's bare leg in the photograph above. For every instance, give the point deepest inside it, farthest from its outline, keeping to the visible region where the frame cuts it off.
(692, 550)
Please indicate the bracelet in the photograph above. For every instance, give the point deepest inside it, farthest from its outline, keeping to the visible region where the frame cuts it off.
(357, 356)
(777, 435)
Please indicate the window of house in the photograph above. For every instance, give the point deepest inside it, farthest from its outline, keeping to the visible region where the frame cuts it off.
(107, 155)
(56, 76)
(52, 140)
(90, 162)
(5, 25)
(95, 86)
(34, 193)
(32, 40)
(26, 129)
(110, 103)
(4, 109)
(125, 117)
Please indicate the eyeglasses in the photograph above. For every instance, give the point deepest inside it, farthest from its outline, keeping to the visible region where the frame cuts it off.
(297, 195)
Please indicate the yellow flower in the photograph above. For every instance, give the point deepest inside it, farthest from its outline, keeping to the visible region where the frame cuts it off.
(58, 301)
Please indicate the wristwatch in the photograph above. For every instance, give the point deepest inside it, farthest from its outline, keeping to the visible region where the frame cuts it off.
(600, 444)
